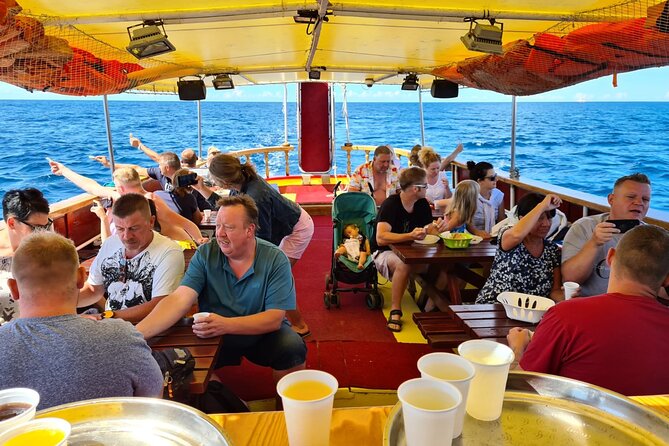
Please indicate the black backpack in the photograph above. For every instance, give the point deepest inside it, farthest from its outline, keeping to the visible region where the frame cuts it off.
(176, 365)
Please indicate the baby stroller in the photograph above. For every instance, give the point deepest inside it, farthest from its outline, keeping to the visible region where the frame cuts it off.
(358, 208)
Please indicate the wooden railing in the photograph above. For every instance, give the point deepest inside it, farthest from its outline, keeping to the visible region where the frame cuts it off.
(370, 149)
(246, 153)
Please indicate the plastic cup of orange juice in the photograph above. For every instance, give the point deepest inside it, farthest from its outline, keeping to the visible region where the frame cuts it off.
(486, 392)
(428, 411)
(42, 432)
(307, 397)
(453, 369)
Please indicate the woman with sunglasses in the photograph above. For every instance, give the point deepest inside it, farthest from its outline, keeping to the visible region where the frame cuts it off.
(525, 261)
(24, 211)
(490, 208)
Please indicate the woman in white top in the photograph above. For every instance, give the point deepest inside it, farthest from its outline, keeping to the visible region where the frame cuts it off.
(490, 207)
(438, 192)
(437, 184)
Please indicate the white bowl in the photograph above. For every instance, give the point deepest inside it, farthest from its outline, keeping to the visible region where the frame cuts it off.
(18, 395)
(52, 425)
(428, 240)
(524, 307)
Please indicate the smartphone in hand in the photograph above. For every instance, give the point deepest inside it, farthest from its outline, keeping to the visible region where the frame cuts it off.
(625, 225)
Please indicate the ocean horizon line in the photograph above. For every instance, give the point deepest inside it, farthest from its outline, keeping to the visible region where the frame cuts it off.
(111, 99)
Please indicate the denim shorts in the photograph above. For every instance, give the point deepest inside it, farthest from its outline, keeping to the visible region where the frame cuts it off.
(280, 350)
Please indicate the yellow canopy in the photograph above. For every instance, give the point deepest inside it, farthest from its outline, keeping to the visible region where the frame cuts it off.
(259, 42)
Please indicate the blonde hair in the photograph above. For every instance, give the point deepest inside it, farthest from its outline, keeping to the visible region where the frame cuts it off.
(127, 176)
(427, 156)
(465, 200)
(45, 260)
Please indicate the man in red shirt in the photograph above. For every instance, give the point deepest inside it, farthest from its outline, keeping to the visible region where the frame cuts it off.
(616, 340)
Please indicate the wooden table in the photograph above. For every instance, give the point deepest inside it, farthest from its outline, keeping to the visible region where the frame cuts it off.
(350, 426)
(464, 322)
(452, 262)
(208, 223)
(204, 351)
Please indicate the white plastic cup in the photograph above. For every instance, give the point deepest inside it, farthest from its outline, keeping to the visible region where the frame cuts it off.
(453, 369)
(569, 289)
(200, 315)
(50, 424)
(207, 214)
(18, 395)
(428, 410)
(307, 420)
(486, 392)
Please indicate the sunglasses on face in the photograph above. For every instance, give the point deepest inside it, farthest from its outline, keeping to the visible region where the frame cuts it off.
(491, 178)
(34, 227)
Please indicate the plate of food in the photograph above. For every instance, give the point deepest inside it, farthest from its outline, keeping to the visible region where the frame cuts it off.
(475, 240)
(428, 240)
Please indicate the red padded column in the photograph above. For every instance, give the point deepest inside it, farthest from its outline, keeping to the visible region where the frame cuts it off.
(315, 154)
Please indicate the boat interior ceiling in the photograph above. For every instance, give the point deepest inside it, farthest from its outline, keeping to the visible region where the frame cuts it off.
(524, 47)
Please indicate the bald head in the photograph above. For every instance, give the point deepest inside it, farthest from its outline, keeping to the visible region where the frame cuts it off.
(45, 265)
(188, 158)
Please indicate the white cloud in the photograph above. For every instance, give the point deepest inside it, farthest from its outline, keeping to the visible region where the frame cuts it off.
(581, 97)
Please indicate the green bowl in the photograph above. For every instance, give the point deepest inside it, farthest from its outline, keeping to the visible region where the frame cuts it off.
(458, 243)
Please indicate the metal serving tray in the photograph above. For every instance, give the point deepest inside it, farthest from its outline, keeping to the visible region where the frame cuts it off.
(550, 410)
(137, 422)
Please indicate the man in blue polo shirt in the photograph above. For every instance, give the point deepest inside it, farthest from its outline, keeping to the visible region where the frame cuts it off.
(246, 285)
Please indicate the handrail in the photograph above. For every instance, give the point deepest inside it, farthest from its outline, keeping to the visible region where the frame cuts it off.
(585, 200)
(286, 148)
(367, 149)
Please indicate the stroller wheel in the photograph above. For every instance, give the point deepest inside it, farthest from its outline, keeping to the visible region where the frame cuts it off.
(336, 301)
(374, 300)
(326, 299)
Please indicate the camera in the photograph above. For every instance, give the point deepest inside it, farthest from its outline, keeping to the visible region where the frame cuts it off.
(106, 203)
(369, 82)
(187, 180)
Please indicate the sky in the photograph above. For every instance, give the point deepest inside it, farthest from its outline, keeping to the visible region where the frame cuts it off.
(649, 85)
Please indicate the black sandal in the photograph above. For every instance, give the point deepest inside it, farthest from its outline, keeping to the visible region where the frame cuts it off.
(394, 325)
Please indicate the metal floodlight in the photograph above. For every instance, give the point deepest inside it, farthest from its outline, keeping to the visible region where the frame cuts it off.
(147, 40)
(308, 16)
(410, 82)
(223, 82)
(314, 74)
(484, 38)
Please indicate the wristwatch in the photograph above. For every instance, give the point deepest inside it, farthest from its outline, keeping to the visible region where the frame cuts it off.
(109, 314)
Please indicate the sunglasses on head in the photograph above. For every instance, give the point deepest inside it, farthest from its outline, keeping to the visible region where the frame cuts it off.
(421, 185)
(34, 227)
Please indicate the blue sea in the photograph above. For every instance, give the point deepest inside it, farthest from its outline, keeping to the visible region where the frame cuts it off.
(582, 146)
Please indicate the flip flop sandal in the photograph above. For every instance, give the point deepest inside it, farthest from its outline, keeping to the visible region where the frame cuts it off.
(394, 325)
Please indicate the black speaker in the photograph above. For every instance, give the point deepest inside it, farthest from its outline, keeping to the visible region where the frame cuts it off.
(441, 88)
(192, 90)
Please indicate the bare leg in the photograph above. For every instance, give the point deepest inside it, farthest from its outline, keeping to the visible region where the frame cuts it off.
(294, 317)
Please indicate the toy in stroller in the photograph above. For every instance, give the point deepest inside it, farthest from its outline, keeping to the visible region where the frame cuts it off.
(359, 209)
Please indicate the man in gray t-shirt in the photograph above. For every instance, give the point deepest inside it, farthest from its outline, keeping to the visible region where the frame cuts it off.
(49, 348)
(589, 239)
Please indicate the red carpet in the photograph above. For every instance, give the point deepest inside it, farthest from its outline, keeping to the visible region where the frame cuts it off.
(313, 194)
(351, 342)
